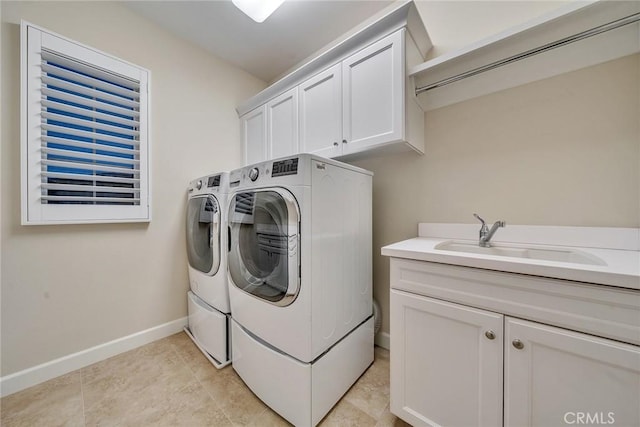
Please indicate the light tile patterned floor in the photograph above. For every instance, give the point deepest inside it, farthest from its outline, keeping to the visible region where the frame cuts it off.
(170, 383)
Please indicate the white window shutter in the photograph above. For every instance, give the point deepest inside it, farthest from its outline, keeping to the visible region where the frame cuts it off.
(85, 139)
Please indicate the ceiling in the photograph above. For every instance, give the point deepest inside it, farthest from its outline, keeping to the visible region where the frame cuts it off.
(295, 30)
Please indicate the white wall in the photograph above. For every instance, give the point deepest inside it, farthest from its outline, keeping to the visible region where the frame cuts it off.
(68, 288)
(561, 151)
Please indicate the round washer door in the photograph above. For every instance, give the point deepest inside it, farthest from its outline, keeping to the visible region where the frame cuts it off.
(203, 234)
(264, 259)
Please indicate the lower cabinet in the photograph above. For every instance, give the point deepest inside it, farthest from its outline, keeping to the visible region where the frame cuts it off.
(454, 365)
(446, 362)
(553, 376)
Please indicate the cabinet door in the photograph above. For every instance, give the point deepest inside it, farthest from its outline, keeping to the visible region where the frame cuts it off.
(558, 377)
(321, 113)
(446, 362)
(373, 95)
(282, 125)
(254, 132)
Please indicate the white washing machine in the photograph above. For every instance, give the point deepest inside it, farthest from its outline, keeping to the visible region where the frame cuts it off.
(207, 249)
(300, 281)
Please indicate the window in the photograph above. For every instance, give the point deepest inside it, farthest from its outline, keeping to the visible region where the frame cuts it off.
(85, 139)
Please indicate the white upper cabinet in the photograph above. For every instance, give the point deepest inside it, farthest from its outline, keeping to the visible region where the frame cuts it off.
(373, 95)
(254, 132)
(358, 104)
(282, 125)
(271, 130)
(354, 98)
(321, 113)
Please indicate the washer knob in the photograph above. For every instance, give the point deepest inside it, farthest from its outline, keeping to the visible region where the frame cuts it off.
(199, 184)
(253, 174)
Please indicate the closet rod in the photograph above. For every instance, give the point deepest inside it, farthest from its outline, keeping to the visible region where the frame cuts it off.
(535, 51)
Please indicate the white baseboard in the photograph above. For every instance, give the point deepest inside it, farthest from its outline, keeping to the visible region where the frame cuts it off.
(10, 384)
(383, 340)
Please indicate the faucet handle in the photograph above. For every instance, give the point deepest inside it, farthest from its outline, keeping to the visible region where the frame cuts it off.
(479, 219)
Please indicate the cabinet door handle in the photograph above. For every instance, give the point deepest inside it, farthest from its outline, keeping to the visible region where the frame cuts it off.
(344, 141)
(490, 335)
(335, 144)
(518, 344)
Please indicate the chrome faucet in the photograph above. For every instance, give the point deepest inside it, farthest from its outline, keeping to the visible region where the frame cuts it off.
(485, 233)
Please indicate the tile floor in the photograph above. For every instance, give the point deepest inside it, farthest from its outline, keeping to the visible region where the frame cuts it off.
(170, 383)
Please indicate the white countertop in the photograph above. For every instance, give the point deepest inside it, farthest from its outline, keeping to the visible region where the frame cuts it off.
(622, 267)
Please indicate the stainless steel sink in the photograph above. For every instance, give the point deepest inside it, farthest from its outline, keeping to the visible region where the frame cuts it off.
(536, 253)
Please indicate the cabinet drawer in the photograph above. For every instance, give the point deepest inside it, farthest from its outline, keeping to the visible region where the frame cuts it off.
(599, 310)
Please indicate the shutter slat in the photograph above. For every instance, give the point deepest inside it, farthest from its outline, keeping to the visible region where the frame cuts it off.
(130, 200)
(46, 103)
(90, 156)
(90, 166)
(100, 96)
(93, 188)
(89, 145)
(88, 69)
(87, 134)
(61, 175)
(47, 91)
(90, 124)
(91, 81)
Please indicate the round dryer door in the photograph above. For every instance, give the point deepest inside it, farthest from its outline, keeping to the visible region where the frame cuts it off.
(203, 234)
(264, 259)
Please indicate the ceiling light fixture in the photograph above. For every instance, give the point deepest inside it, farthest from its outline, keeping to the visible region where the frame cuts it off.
(258, 10)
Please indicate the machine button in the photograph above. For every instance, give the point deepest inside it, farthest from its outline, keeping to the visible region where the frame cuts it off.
(199, 184)
(253, 174)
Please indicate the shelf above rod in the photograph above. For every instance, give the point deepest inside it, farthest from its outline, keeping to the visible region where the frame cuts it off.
(532, 52)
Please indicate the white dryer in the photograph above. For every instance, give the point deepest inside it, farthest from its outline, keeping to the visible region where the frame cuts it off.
(207, 248)
(300, 281)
